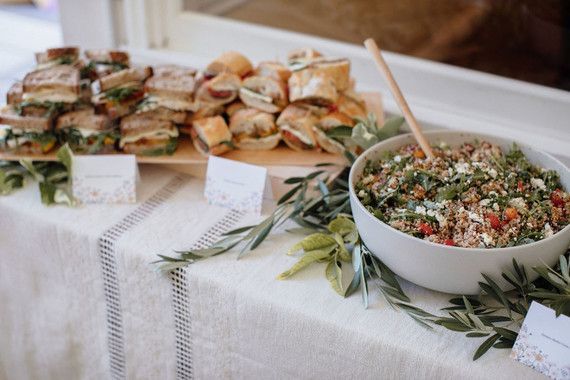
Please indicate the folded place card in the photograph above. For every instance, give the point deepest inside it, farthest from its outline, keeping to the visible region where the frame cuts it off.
(235, 185)
(543, 342)
(104, 179)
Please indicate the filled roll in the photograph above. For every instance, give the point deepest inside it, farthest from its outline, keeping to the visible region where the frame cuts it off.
(296, 127)
(253, 129)
(312, 86)
(338, 70)
(274, 70)
(230, 62)
(222, 89)
(263, 93)
(352, 105)
(328, 123)
(211, 135)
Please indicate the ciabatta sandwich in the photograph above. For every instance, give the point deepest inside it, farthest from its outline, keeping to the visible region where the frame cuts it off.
(253, 129)
(312, 86)
(352, 105)
(296, 126)
(222, 89)
(264, 93)
(148, 136)
(275, 70)
(327, 124)
(337, 69)
(211, 135)
(67, 55)
(234, 107)
(118, 93)
(229, 62)
(26, 134)
(102, 62)
(86, 132)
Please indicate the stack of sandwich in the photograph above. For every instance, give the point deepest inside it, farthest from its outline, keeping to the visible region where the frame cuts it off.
(102, 104)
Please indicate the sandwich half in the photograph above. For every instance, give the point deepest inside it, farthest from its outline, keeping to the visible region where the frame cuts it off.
(274, 70)
(171, 88)
(296, 127)
(118, 93)
(211, 136)
(102, 62)
(325, 131)
(86, 132)
(26, 134)
(264, 93)
(253, 129)
(312, 86)
(148, 136)
(337, 69)
(229, 62)
(58, 84)
(66, 55)
(222, 89)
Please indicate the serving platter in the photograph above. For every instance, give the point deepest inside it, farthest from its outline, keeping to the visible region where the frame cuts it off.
(186, 154)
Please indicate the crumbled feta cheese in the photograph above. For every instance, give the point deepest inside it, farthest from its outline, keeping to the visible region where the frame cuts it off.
(488, 240)
(475, 217)
(462, 167)
(492, 193)
(496, 206)
(548, 230)
(420, 210)
(485, 202)
(538, 183)
(397, 158)
(518, 203)
(362, 193)
(442, 220)
(493, 173)
(431, 212)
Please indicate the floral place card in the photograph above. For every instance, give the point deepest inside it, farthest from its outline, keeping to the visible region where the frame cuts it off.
(104, 179)
(543, 342)
(235, 185)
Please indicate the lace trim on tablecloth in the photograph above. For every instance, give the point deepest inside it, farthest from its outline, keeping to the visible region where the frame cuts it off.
(107, 244)
(180, 298)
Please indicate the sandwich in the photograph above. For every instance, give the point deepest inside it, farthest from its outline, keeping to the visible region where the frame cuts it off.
(312, 86)
(102, 62)
(234, 107)
(15, 93)
(352, 105)
(337, 69)
(118, 93)
(222, 89)
(47, 92)
(295, 124)
(26, 134)
(323, 130)
(86, 132)
(211, 135)
(274, 70)
(67, 55)
(148, 136)
(253, 129)
(264, 93)
(206, 110)
(171, 87)
(230, 62)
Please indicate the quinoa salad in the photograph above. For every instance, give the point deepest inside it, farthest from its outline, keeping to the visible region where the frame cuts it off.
(472, 196)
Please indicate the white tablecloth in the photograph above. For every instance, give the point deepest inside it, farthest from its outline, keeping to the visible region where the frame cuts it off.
(79, 299)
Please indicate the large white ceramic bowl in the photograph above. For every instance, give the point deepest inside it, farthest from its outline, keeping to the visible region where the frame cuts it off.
(446, 268)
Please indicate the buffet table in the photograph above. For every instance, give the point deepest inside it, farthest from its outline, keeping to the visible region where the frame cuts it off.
(80, 299)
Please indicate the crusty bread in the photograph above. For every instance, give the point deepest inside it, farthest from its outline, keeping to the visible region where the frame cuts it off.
(312, 86)
(230, 62)
(222, 89)
(60, 79)
(338, 70)
(134, 74)
(84, 119)
(212, 130)
(9, 116)
(275, 70)
(263, 93)
(251, 121)
(108, 56)
(15, 93)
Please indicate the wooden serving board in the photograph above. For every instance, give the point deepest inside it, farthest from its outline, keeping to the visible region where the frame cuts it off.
(186, 154)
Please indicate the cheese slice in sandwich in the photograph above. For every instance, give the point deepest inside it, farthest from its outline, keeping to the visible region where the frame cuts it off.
(211, 135)
(56, 84)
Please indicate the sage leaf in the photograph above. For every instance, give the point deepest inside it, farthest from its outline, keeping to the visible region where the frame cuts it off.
(334, 275)
(314, 241)
(307, 259)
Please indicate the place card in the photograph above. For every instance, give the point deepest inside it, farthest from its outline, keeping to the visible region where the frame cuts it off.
(104, 179)
(543, 342)
(235, 185)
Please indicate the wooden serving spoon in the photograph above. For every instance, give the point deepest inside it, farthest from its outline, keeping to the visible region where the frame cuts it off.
(398, 96)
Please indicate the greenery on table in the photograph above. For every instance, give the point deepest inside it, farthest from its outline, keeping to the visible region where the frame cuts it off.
(54, 179)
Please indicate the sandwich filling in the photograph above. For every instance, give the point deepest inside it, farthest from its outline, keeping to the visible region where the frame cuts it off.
(296, 137)
(85, 140)
(14, 138)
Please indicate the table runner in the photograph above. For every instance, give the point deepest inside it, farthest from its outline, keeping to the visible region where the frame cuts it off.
(219, 318)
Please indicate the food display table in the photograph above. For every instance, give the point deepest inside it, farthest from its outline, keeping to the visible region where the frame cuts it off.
(80, 299)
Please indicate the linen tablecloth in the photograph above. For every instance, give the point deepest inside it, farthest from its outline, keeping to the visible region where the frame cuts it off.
(79, 299)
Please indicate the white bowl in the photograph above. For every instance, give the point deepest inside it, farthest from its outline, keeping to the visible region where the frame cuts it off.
(446, 268)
